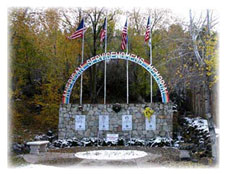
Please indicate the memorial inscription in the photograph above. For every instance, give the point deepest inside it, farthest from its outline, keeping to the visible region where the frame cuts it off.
(103, 122)
(150, 123)
(80, 122)
(126, 122)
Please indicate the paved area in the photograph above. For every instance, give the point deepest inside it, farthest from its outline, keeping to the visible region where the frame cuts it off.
(43, 158)
(48, 156)
(156, 157)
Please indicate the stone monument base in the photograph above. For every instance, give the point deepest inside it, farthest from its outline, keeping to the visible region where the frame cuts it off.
(75, 121)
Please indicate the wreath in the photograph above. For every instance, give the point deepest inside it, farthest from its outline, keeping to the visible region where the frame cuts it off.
(148, 112)
(116, 107)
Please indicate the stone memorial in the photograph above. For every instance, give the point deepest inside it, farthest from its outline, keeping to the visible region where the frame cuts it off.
(126, 120)
(90, 122)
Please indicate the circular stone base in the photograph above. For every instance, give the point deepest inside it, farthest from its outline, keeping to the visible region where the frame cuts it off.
(111, 154)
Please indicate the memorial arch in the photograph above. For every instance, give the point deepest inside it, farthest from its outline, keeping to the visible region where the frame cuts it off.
(111, 56)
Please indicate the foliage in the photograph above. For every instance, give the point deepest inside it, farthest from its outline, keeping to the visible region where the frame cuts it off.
(42, 59)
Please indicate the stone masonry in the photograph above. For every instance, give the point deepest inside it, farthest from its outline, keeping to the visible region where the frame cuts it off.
(67, 113)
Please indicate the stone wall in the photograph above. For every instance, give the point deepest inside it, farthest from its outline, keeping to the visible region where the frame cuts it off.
(67, 113)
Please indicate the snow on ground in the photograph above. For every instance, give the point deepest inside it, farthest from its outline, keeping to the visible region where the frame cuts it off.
(201, 124)
(217, 132)
(111, 154)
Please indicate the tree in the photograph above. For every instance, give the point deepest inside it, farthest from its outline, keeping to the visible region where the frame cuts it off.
(202, 41)
(95, 18)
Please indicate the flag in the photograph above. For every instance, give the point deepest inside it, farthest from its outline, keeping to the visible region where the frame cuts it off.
(79, 32)
(147, 34)
(103, 31)
(124, 37)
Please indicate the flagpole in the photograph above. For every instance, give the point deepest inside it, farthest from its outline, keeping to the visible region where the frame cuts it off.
(105, 62)
(81, 80)
(150, 50)
(127, 69)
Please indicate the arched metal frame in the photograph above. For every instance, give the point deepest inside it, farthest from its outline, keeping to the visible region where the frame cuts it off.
(111, 56)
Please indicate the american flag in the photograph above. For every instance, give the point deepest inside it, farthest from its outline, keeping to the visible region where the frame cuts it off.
(124, 37)
(79, 32)
(147, 34)
(103, 31)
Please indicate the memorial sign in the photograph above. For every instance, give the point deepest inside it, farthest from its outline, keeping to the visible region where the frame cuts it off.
(126, 122)
(103, 122)
(151, 123)
(112, 56)
(112, 137)
(80, 122)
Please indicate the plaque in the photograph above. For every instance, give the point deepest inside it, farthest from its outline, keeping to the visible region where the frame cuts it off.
(126, 122)
(103, 122)
(80, 122)
(112, 137)
(151, 123)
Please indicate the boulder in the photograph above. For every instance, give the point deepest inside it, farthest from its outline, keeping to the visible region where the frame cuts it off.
(49, 133)
(185, 155)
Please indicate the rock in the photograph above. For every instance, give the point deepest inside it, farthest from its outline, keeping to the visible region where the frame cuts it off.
(165, 128)
(49, 133)
(139, 142)
(186, 146)
(161, 116)
(57, 143)
(162, 133)
(65, 144)
(103, 143)
(41, 137)
(148, 143)
(150, 134)
(184, 155)
(131, 142)
(109, 109)
(138, 115)
(51, 138)
(20, 148)
(86, 142)
(121, 142)
(94, 141)
(75, 142)
(205, 161)
(91, 112)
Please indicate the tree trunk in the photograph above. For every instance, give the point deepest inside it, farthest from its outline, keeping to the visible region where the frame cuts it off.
(93, 85)
(211, 124)
(200, 58)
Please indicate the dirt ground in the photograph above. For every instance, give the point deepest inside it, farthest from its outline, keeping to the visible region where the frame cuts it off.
(156, 157)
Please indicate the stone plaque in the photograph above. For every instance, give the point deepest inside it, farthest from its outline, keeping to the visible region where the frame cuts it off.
(80, 122)
(103, 122)
(126, 122)
(150, 123)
